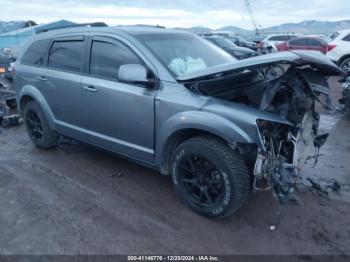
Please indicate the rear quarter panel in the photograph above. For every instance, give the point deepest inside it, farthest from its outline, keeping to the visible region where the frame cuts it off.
(26, 84)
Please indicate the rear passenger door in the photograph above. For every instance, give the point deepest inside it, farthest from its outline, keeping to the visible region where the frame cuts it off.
(119, 116)
(61, 83)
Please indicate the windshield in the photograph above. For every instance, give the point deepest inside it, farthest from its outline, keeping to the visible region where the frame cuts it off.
(184, 53)
(240, 39)
(222, 42)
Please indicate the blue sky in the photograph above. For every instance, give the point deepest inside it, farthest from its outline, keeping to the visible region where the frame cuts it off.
(176, 13)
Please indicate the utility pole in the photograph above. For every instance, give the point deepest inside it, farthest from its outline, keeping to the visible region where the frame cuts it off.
(252, 18)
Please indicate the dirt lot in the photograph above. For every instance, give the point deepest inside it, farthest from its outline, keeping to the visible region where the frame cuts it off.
(80, 200)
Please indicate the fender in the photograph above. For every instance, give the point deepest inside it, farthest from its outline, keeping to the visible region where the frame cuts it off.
(199, 120)
(34, 93)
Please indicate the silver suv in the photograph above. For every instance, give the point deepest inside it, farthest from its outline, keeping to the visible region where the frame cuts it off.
(175, 102)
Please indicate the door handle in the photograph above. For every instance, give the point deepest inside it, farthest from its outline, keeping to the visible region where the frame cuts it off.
(42, 78)
(90, 89)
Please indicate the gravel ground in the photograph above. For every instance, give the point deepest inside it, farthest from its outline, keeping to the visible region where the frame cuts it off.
(76, 199)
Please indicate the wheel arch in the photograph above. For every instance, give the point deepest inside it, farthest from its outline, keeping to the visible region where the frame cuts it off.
(29, 93)
(175, 131)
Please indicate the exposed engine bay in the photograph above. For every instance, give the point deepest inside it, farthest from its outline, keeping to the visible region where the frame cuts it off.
(290, 91)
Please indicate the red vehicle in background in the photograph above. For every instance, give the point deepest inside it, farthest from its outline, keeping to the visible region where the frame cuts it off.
(305, 43)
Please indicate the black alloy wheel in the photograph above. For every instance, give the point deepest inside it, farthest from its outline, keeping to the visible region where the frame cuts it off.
(201, 180)
(38, 128)
(209, 176)
(34, 126)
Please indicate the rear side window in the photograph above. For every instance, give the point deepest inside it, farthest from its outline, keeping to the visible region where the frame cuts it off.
(281, 37)
(290, 37)
(35, 53)
(66, 55)
(299, 41)
(347, 38)
(275, 38)
(278, 38)
(106, 58)
(314, 42)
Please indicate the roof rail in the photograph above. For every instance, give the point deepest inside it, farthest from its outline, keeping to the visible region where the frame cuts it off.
(145, 25)
(95, 24)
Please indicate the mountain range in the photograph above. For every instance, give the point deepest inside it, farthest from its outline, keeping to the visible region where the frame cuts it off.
(305, 27)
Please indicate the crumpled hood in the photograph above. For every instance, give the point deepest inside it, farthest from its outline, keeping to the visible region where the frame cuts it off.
(298, 58)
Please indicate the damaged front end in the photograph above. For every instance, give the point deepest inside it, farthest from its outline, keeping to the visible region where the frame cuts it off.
(286, 148)
(291, 95)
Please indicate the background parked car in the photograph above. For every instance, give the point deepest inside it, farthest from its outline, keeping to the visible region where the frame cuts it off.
(271, 41)
(231, 48)
(239, 41)
(339, 51)
(304, 43)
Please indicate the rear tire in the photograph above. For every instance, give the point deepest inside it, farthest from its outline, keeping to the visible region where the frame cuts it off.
(37, 126)
(210, 177)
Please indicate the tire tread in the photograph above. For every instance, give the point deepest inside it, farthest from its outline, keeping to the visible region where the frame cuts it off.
(235, 163)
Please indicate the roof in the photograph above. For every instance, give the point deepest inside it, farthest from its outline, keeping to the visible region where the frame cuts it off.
(136, 30)
(131, 30)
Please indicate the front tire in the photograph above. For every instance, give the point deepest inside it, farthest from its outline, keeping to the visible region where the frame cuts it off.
(210, 177)
(37, 126)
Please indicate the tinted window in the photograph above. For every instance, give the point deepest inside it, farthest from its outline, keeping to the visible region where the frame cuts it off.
(314, 42)
(221, 42)
(281, 37)
(347, 38)
(35, 53)
(290, 37)
(235, 40)
(106, 58)
(66, 55)
(275, 38)
(299, 41)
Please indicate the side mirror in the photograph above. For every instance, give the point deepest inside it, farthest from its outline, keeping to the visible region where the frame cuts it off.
(134, 73)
